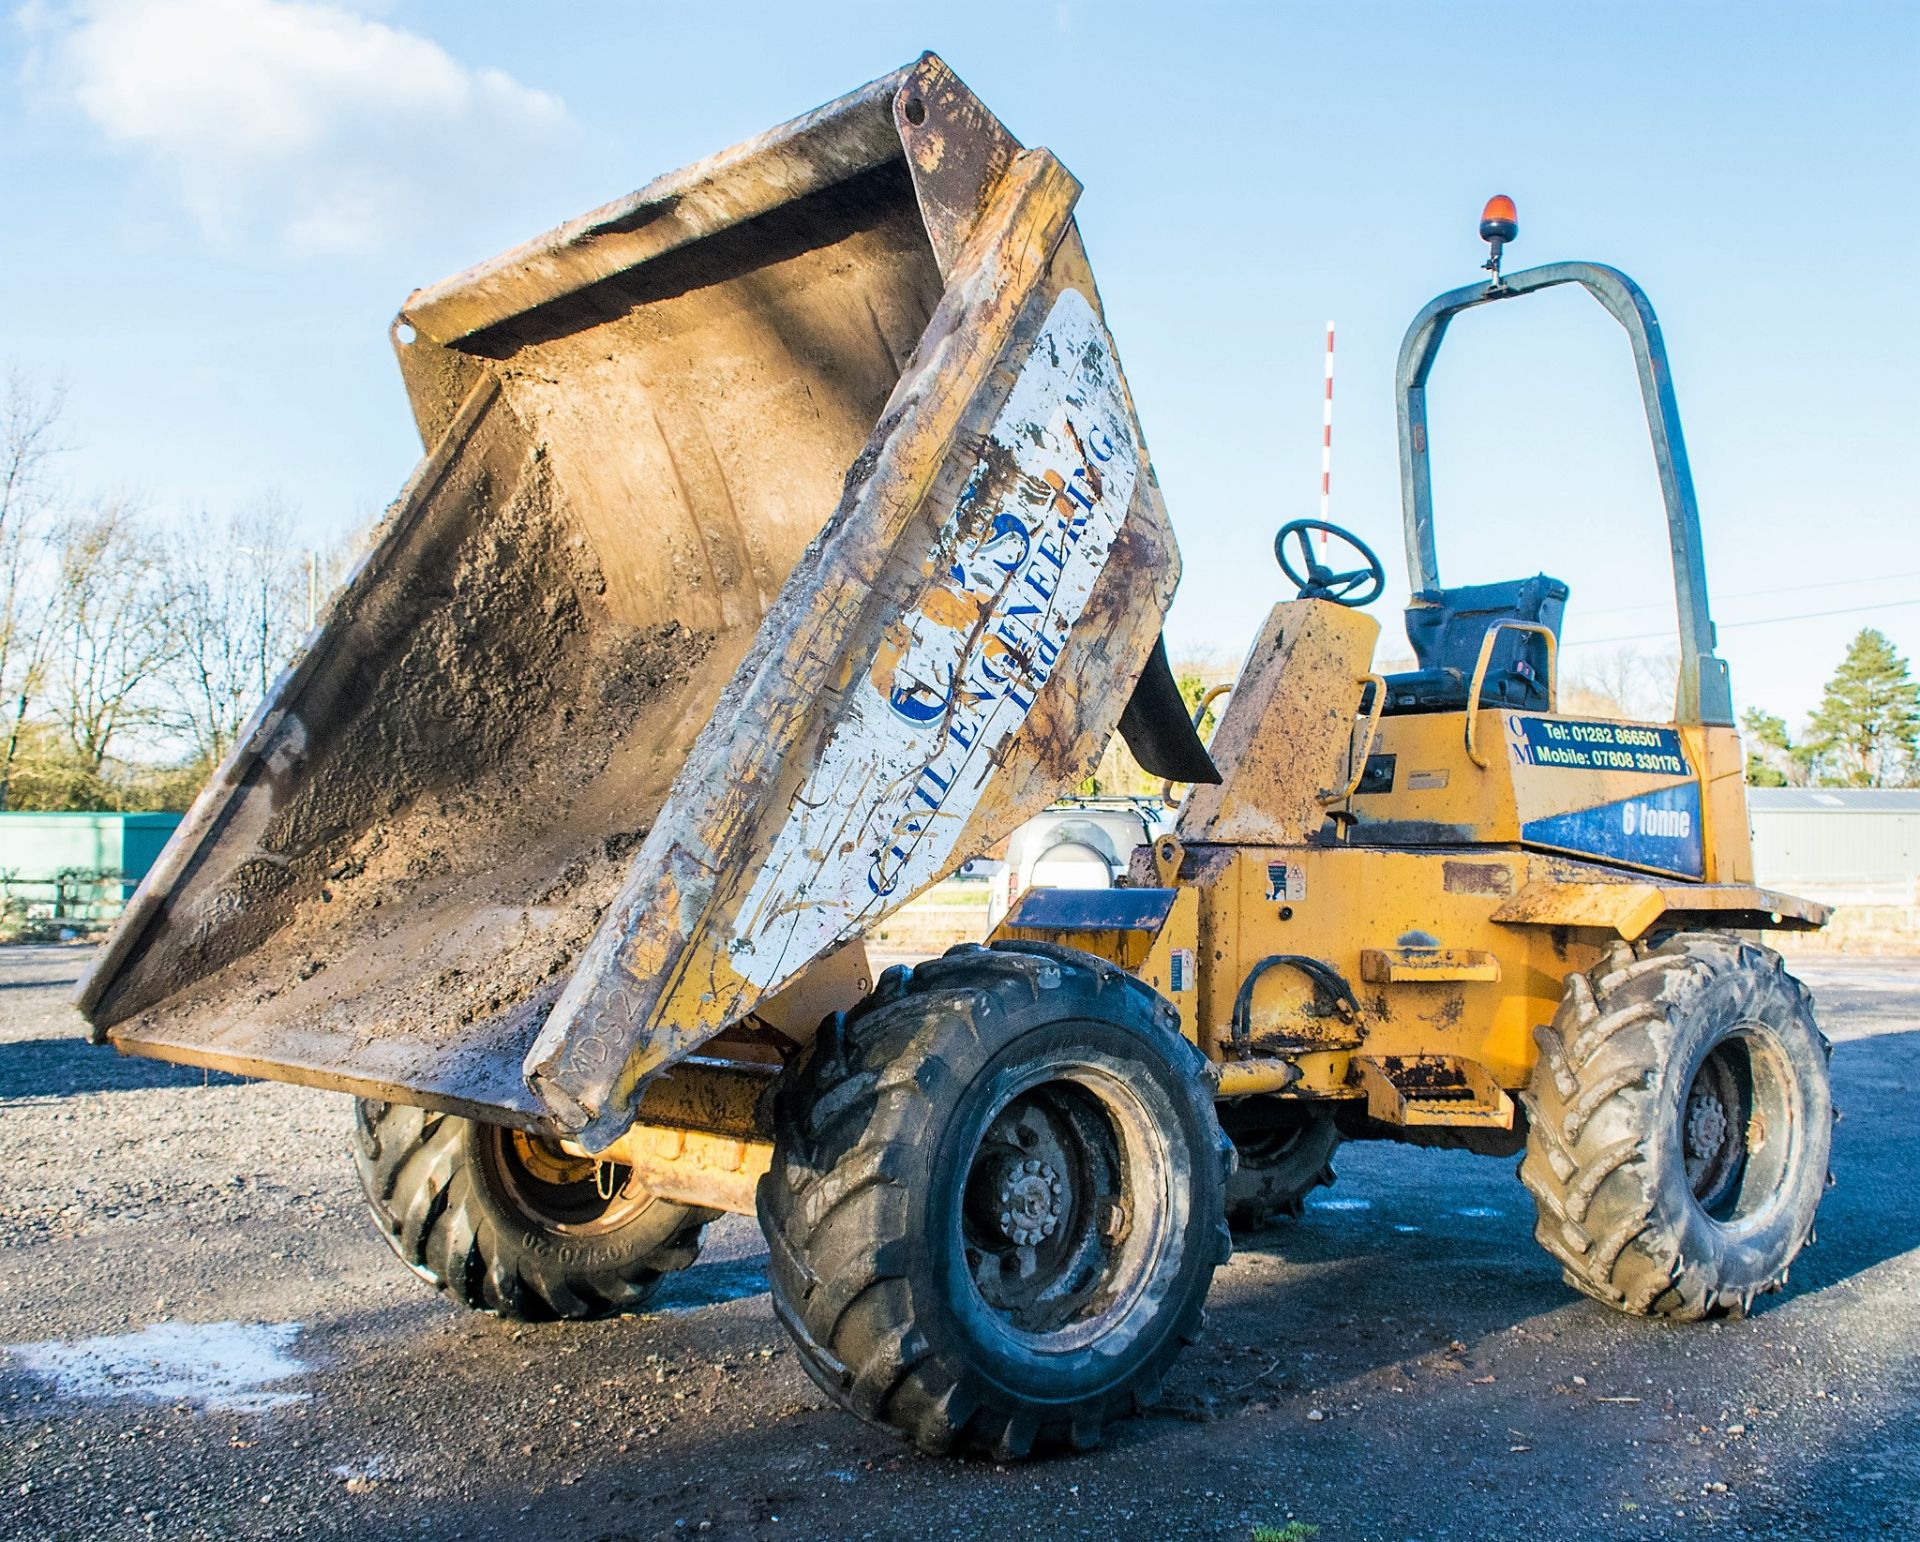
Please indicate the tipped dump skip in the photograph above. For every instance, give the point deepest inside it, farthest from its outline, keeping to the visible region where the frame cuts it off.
(446, 792)
(786, 537)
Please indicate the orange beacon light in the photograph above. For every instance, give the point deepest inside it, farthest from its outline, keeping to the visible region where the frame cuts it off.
(1499, 224)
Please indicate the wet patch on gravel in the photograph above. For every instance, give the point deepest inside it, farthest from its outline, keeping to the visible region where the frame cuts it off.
(228, 1366)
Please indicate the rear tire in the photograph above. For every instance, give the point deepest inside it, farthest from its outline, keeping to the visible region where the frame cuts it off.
(509, 1223)
(1679, 1126)
(1285, 1150)
(996, 1200)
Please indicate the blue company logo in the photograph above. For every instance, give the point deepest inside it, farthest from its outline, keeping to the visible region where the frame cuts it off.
(1657, 829)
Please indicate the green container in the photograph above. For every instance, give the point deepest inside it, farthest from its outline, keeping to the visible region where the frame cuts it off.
(79, 866)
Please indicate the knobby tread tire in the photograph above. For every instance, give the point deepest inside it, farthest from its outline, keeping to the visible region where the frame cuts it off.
(1603, 1160)
(434, 1200)
(855, 1120)
(1262, 1191)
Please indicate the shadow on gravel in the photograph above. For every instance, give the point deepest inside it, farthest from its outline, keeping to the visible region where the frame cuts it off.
(708, 1285)
(64, 1068)
(1865, 1483)
(1872, 1213)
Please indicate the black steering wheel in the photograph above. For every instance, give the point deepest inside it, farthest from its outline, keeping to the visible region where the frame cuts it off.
(1357, 586)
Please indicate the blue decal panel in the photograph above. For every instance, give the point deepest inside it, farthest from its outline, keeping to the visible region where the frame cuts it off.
(1656, 829)
(1578, 746)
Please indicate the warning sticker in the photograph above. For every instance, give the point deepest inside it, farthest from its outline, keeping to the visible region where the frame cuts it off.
(1286, 881)
(1180, 973)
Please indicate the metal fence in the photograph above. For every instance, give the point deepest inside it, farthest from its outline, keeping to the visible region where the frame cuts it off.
(81, 896)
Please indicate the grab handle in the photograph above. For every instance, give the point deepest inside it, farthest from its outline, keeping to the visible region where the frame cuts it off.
(1480, 676)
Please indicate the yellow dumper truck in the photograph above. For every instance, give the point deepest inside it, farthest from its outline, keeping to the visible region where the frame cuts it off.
(786, 536)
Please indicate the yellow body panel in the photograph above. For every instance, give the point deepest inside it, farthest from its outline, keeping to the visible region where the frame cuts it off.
(1343, 903)
(1288, 728)
(1439, 797)
(1727, 832)
(1450, 886)
(1171, 964)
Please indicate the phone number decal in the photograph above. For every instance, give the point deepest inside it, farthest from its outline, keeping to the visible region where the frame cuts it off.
(1541, 741)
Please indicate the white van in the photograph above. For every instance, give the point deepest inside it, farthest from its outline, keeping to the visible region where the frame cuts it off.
(1083, 843)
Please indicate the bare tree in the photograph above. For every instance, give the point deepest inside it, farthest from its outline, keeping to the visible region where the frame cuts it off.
(237, 608)
(114, 638)
(1624, 683)
(121, 648)
(29, 416)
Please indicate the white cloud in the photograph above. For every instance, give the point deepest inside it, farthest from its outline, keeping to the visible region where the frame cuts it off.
(295, 119)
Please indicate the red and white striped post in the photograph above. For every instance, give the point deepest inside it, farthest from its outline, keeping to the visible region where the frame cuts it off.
(1326, 439)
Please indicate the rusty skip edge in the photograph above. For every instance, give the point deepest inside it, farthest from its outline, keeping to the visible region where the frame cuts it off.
(954, 147)
(766, 854)
(960, 139)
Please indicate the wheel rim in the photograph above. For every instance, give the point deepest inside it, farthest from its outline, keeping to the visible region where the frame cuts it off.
(1064, 1213)
(558, 1190)
(1738, 1124)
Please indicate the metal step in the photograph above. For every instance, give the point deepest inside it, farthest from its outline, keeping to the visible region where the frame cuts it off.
(1432, 1089)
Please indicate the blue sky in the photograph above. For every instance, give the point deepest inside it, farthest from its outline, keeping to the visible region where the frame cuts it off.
(213, 208)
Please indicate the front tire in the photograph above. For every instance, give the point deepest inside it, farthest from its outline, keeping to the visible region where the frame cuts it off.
(996, 1200)
(1679, 1126)
(510, 1223)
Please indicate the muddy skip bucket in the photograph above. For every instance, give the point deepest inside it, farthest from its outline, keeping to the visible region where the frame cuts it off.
(785, 536)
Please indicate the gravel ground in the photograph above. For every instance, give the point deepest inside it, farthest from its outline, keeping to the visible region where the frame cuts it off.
(201, 1336)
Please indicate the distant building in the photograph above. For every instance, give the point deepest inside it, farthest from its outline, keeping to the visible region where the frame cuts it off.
(1842, 846)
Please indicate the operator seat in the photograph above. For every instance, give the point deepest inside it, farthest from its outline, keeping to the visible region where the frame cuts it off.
(1447, 628)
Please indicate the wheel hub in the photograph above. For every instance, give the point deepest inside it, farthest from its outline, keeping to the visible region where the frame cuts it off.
(1707, 1124)
(561, 1191)
(1031, 1197)
(1045, 1207)
(1721, 1127)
